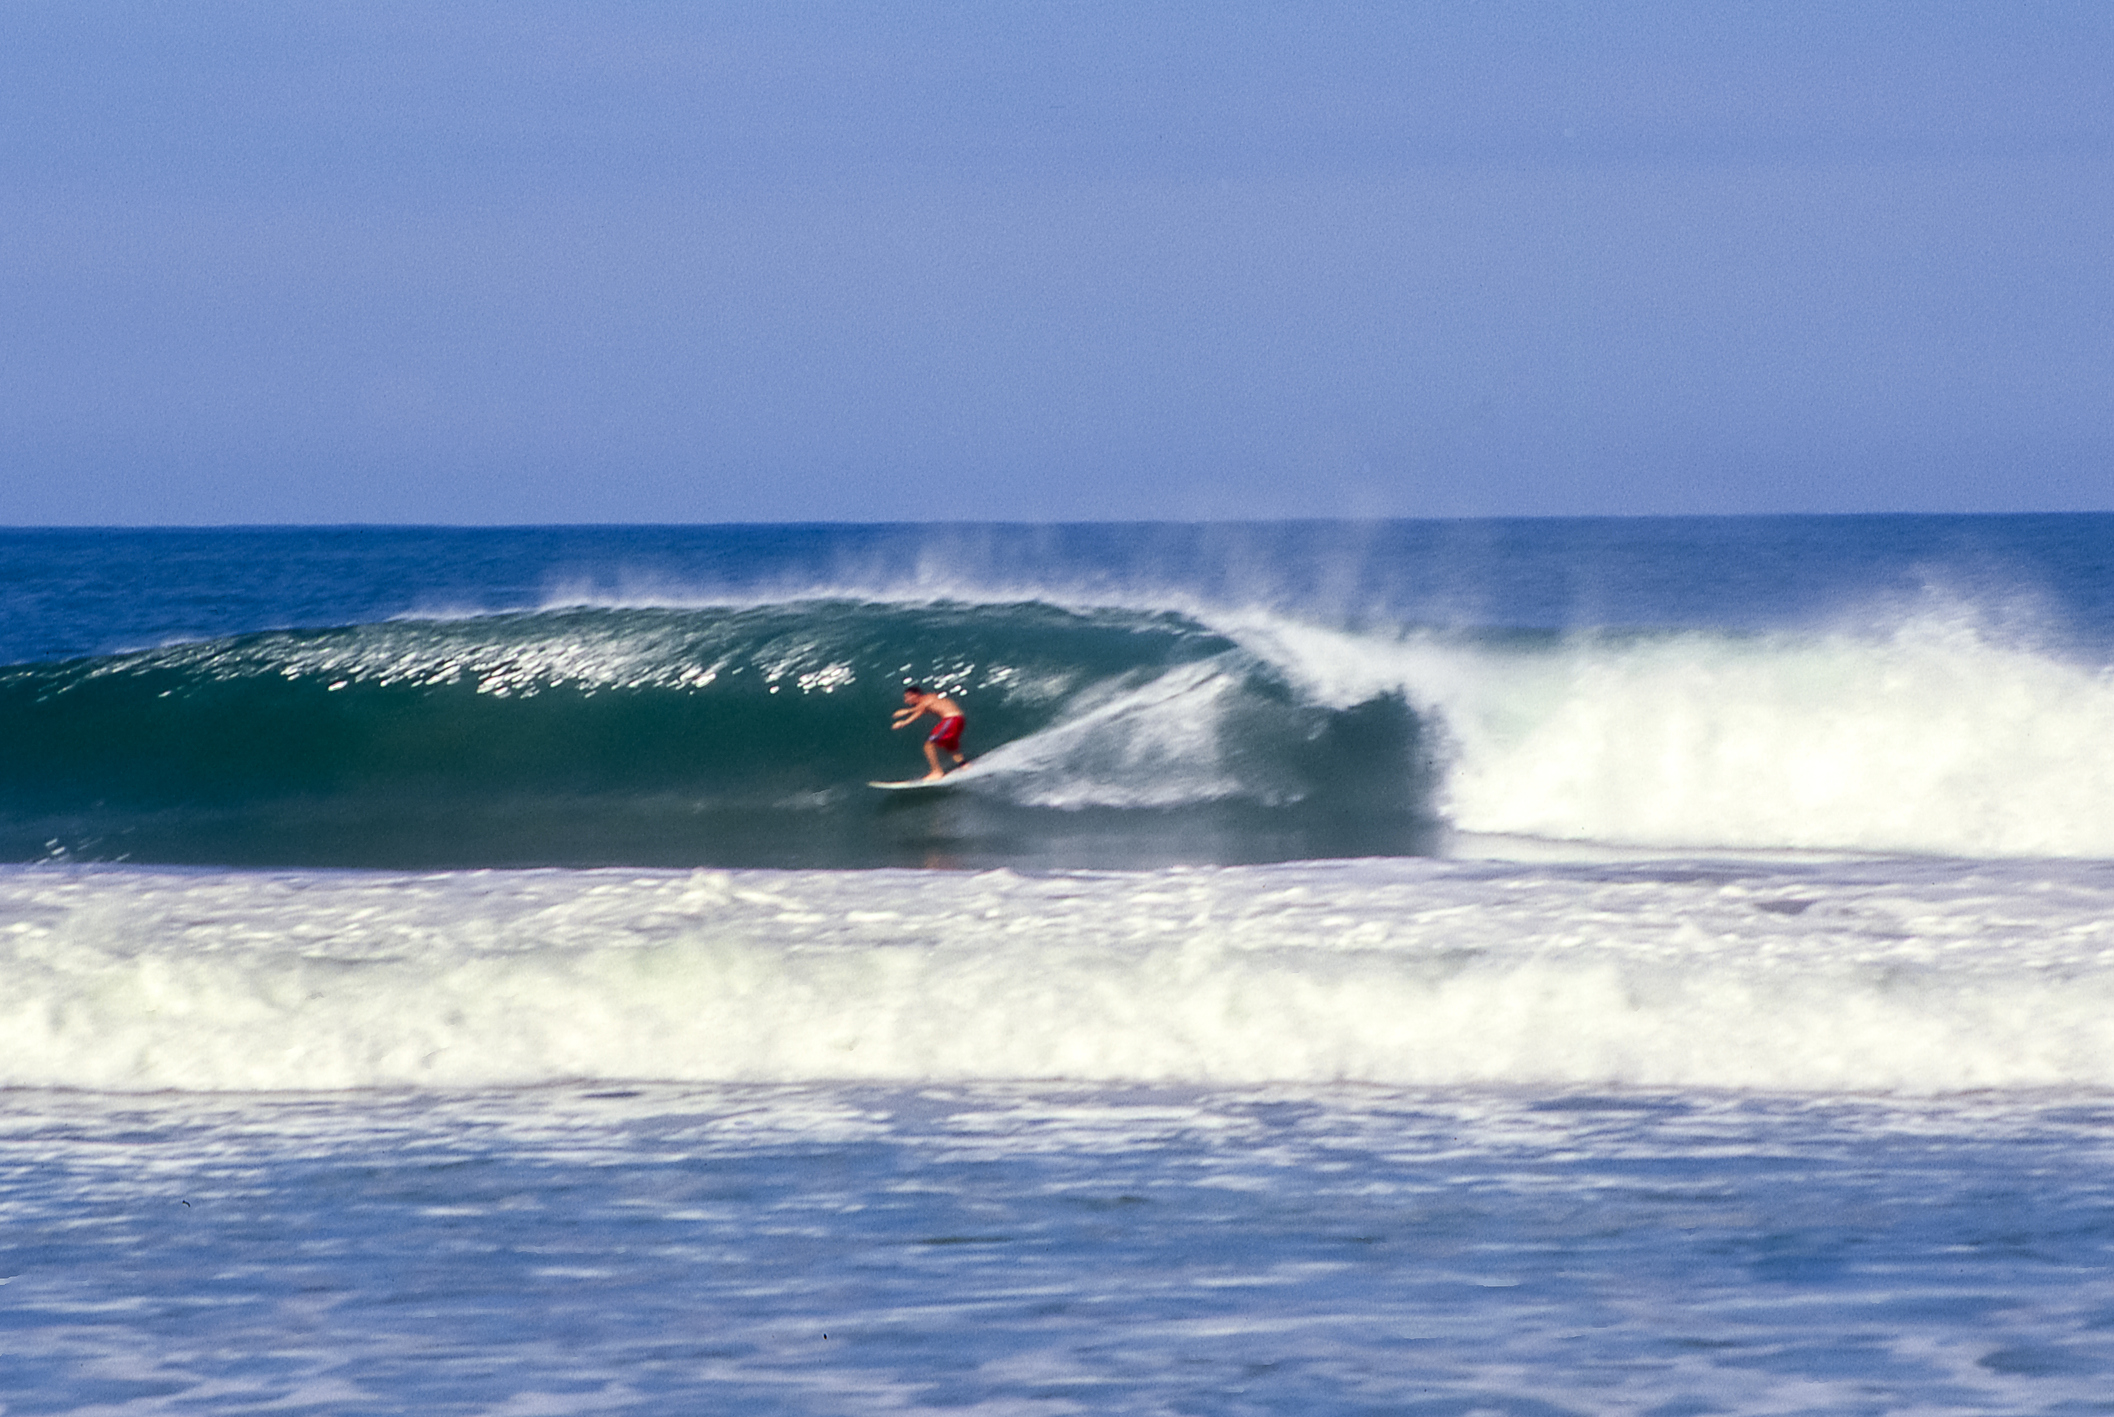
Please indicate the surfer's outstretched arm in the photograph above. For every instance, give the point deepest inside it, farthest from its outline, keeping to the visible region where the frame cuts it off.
(916, 704)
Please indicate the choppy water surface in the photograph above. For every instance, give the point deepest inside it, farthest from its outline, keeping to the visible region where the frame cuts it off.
(1051, 1249)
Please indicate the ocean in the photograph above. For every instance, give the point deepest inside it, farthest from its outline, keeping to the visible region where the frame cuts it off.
(1657, 966)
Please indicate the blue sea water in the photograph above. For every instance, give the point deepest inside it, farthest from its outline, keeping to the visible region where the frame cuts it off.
(1657, 966)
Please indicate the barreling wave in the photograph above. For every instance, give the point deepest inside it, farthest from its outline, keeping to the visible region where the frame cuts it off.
(743, 736)
(704, 735)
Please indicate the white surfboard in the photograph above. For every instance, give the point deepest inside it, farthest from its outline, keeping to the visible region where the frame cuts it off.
(915, 784)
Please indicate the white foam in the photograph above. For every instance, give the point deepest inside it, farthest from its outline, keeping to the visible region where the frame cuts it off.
(1153, 744)
(1879, 976)
(1927, 739)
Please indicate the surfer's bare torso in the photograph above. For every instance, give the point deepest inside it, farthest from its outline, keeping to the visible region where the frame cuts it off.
(946, 735)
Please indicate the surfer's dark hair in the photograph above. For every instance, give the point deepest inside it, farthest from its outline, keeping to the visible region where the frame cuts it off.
(913, 688)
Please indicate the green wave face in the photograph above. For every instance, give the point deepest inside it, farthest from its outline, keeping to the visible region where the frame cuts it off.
(726, 736)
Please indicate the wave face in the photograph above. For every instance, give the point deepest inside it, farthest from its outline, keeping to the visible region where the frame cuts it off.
(714, 735)
(1919, 977)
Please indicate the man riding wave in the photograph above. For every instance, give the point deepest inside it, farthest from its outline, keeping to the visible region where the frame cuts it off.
(919, 701)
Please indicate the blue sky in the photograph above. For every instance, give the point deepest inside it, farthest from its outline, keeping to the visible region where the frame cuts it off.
(519, 262)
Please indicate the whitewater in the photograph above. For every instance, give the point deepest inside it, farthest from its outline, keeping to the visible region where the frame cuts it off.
(1565, 967)
(1918, 978)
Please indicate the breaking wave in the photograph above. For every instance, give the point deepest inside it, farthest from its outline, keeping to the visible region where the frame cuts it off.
(716, 735)
(1902, 975)
(744, 736)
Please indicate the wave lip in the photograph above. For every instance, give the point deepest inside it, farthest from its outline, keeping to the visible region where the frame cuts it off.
(1904, 978)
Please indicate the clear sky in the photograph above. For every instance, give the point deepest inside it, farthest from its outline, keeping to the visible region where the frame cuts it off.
(520, 262)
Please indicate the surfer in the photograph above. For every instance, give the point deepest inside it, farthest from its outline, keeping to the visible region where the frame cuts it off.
(917, 702)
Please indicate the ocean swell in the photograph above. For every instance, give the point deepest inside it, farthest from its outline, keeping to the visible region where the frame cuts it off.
(705, 735)
(744, 736)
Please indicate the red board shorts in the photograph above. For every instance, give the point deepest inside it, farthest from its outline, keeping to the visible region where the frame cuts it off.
(948, 734)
